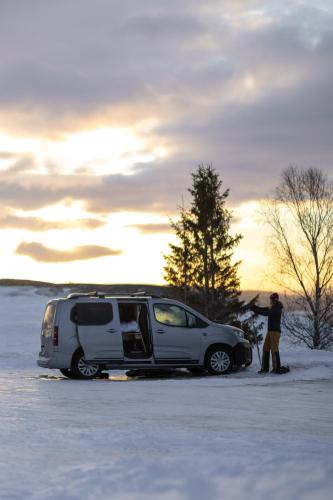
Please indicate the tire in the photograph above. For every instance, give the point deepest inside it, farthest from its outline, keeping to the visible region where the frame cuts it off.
(66, 372)
(81, 370)
(218, 360)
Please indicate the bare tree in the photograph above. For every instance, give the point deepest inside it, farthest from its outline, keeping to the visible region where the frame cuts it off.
(301, 219)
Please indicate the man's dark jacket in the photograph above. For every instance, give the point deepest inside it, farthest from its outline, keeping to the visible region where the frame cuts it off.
(274, 314)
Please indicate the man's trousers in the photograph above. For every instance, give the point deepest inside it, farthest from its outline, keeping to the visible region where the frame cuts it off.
(271, 344)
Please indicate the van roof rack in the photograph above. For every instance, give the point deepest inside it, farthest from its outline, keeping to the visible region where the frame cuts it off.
(75, 295)
(102, 295)
(143, 293)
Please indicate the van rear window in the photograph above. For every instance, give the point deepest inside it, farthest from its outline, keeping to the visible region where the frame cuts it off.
(99, 313)
(49, 316)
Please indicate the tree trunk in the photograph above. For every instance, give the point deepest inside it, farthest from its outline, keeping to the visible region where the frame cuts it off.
(316, 322)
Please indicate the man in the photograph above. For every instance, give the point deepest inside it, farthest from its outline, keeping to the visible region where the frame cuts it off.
(271, 344)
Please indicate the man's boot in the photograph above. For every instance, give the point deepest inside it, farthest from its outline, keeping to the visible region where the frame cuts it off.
(265, 362)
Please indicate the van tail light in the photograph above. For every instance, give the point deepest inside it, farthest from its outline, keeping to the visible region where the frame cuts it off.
(55, 336)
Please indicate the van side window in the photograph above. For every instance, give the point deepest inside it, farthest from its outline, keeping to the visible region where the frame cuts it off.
(172, 315)
(86, 313)
(194, 321)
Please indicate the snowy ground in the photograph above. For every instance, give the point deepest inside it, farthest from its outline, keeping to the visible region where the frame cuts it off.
(236, 437)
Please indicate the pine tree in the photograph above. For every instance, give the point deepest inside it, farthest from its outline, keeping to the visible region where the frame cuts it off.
(200, 265)
(216, 274)
(180, 262)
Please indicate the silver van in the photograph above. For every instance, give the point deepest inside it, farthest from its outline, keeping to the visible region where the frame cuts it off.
(84, 334)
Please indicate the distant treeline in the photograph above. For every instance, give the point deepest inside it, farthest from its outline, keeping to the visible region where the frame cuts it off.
(161, 290)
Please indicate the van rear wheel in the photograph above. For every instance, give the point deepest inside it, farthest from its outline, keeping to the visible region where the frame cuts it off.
(82, 370)
(66, 372)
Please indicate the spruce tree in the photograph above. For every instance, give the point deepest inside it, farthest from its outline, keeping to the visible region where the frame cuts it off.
(200, 266)
(216, 274)
(180, 262)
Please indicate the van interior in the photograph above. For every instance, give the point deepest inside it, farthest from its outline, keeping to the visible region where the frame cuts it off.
(134, 323)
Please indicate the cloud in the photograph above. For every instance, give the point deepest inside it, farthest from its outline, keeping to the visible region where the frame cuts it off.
(36, 224)
(175, 27)
(152, 228)
(7, 155)
(173, 53)
(145, 190)
(22, 163)
(243, 85)
(162, 187)
(41, 253)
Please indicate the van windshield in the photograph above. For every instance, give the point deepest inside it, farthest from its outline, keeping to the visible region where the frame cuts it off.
(49, 316)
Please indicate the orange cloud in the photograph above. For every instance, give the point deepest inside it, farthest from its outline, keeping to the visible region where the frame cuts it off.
(41, 253)
(37, 224)
(152, 228)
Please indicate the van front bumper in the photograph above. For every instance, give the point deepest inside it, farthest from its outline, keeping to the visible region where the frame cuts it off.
(243, 354)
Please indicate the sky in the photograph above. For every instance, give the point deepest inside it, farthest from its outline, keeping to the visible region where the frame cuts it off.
(106, 107)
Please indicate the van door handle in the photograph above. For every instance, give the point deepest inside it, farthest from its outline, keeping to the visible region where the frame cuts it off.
(160, 331)
(111, 330)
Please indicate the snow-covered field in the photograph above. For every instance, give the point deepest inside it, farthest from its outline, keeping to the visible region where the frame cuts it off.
(235, 437)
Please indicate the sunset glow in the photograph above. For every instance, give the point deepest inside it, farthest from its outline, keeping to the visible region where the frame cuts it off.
(100, 132)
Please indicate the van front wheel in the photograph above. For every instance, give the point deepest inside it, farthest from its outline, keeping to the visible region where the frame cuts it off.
(218, 360)
(82, 370)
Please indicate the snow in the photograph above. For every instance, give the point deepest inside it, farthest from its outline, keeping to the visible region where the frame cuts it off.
(242, 436)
